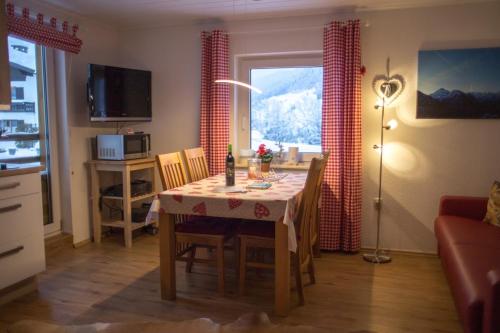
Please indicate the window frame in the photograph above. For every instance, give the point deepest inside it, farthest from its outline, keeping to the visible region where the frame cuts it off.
(47, 130)
(240, 117)
(51, 161)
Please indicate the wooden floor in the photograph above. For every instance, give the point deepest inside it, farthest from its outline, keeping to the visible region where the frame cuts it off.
(109, 283)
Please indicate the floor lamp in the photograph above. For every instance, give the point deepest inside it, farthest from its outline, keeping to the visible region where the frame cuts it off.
(378, 257)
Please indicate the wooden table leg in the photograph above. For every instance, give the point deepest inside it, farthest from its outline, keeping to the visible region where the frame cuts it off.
(127, 207)
(96, 214)
(167, 256)
(282, 274)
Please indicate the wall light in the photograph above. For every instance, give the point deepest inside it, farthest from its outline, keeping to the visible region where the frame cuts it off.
(377, 257)
(379, 103)
(387, 88)
(391, 124)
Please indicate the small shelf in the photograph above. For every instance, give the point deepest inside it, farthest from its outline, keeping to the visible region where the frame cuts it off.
(121, 224)
(132, 199)
(126, 168)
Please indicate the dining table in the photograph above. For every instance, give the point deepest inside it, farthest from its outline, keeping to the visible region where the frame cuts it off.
(209, 197)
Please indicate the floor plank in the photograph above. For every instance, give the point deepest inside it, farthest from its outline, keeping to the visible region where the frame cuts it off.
(110, 283)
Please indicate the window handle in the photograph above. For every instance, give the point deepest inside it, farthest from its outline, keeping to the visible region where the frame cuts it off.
(10, 208)
(11, 251)
(9, 186)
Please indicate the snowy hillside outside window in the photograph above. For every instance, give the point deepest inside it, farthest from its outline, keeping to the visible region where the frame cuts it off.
(288, 112)
(19, 126)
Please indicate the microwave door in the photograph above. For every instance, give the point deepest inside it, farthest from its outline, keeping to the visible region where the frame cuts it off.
(134, 146)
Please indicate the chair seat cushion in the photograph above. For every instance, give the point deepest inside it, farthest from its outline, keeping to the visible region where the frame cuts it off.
(207, 226)
(256, 228)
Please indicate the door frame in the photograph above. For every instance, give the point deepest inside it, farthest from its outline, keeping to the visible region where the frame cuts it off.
(50, 120)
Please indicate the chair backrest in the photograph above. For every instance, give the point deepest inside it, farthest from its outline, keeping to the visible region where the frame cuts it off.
(171, 169)
(316, 217)
(307, 208)
(196, 164)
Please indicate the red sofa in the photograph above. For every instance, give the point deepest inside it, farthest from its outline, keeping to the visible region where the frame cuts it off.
(470, 254)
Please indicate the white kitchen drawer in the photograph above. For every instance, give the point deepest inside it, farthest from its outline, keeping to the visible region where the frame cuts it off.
(15, 186)
(20, 217)
(22, 259)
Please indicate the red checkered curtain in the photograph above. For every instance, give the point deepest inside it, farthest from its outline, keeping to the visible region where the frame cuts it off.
(214, 101)
(42, 33)
(340, 226)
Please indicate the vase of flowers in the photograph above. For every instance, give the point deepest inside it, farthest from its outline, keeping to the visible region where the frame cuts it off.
(266, 156)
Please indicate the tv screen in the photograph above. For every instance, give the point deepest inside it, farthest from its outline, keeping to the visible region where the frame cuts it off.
(118, 94)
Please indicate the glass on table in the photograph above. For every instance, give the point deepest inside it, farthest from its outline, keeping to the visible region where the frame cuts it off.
(254, 165)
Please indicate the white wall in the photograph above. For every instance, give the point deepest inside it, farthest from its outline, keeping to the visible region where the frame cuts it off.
(425, 158)
(429, 157)
(100, 47)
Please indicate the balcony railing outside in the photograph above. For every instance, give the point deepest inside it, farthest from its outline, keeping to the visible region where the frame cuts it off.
(22, 107)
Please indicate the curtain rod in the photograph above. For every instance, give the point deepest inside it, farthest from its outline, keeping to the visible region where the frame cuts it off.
(274, 30)
(315, 27)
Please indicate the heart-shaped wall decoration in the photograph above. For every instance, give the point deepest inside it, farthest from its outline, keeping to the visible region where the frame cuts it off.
(388, 87)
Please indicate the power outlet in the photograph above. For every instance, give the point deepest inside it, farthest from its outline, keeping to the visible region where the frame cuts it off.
(377, 202)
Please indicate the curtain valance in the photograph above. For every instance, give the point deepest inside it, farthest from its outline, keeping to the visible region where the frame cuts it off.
(46, 34)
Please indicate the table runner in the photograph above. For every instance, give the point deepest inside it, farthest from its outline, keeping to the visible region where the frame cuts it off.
(198, 198)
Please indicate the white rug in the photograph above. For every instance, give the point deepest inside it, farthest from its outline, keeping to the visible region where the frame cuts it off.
(258, 323)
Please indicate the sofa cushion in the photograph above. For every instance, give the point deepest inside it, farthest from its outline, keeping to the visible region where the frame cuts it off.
(459, 230)
(466, 267)
(493, 210)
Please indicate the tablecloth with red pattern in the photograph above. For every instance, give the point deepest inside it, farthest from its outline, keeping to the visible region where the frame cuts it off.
(279, 202)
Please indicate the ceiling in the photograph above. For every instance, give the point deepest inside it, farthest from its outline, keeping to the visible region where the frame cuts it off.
(140, 13)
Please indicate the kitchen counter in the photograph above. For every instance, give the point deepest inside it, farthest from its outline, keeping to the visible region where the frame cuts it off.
(21, 169)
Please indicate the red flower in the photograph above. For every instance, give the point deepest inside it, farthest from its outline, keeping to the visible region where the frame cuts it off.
(262, 149)
(266, 155)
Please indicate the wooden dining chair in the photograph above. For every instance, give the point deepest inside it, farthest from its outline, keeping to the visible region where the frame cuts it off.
(260, 234)
(315, 224)
(196, 163)
(192, 232)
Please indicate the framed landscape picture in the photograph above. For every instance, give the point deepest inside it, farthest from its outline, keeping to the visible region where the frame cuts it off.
(459, 84)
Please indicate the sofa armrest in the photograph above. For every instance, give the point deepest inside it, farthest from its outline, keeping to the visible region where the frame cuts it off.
(469, 207)
(491, 319)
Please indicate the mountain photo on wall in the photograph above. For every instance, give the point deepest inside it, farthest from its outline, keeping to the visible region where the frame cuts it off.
(459, 84)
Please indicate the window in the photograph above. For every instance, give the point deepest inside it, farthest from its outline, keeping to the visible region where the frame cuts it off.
(20, 126)
(288, 111)
(17, 93)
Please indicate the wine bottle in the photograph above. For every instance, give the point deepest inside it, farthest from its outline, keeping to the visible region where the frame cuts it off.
(229, 166)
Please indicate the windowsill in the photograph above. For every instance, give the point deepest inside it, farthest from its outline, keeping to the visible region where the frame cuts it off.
(284, 166)
(21, 169)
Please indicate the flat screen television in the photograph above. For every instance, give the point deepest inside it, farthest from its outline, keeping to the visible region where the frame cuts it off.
(118, 94)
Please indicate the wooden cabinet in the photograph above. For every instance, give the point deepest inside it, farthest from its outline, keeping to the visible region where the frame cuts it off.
(4, 61)
(22, 251)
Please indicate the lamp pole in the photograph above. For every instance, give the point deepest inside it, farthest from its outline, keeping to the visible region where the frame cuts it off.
(377, 257)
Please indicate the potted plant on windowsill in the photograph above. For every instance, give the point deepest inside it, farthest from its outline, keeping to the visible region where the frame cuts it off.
(266, 156)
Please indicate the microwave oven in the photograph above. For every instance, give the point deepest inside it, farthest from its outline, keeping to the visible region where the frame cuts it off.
(123, 146)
